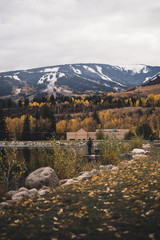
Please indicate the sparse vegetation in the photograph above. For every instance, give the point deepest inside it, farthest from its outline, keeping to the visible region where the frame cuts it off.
(115, 205)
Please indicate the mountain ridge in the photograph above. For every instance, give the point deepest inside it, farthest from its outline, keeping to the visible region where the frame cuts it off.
(79, 78)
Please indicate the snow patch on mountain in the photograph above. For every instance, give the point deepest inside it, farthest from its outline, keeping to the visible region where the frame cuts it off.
(61, 75)
(104, 77)
(17, 91)
(136, 69)
(89, 69)
(55, 69)
(16, 78)
(77, 71)
(8, 76)
(50, 77)
(151, 78)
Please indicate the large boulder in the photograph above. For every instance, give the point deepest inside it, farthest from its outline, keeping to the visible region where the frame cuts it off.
(44, 176)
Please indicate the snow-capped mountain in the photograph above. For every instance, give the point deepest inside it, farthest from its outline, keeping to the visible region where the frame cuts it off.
(75, 79)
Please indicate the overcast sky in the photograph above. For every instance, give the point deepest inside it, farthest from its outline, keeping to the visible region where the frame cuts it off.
(37, 33)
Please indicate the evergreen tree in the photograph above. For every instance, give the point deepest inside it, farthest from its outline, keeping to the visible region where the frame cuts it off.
(3, 127)
(52, 100)
(26, 102)
(9, 103)
(26, 134)
(37, 115)
(36, 133)
(96, 117)
(20, 103)
(53, 125)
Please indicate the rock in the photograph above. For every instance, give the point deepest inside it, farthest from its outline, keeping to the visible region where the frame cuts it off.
(11, 202)
(33, 191)
(4, 205)
(102, 167)
(115, 168)
(11, 193)
(156, 145)
(42, 192)
(69, 182)
(44, 176)
(146, 146)
(132, 162)
(126, 156)
(94, 172)
(138, 151)
(123, 163)
(19, 195)
(138, 156)
(22, 189)
(84, 176)
(63, 181)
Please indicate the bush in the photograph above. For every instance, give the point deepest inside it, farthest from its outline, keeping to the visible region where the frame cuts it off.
(111, 149)
(130, 134)
(136, 142)
(65, 161)
(11, 169)
(100, 135)
(144, 130)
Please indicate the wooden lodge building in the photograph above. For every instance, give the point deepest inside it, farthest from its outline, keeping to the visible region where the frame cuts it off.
(84, 135)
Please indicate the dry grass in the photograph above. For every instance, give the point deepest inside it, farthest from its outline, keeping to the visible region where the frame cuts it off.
(139, 91)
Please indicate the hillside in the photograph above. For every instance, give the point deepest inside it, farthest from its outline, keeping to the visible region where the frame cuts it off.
(150, 87)
(74, 79)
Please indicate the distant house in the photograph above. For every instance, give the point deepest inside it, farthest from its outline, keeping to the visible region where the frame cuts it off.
(84, 135)
(81, 135)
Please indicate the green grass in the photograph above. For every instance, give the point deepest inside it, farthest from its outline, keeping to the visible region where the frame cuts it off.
(120, 205)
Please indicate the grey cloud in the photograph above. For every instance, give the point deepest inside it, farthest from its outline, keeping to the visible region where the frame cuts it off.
(50, 32)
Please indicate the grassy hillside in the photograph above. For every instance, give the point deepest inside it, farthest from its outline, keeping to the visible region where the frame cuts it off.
(143, 91)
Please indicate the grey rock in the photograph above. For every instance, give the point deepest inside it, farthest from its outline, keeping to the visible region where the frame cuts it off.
(102, 167)
(44, 176)
(69, 182)
(146, 146)
(22, 189)
(126, 156)
(11, 193)
(3, 205)
(45, 188)
(138, 151)
(33, 191)
(115, 168)
(19, 195)
(156, 145)
(11, 202)
(86, 175)
(94, 172)
(63, 181)
(42, 192)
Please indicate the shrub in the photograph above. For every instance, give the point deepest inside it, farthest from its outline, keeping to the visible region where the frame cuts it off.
(130, 134)
(111, 149)
(65, 161)
(11, 169)
(144, 130)
(100, 135)
(136, 142)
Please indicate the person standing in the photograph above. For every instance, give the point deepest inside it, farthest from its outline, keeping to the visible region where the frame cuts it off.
(89, 144)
